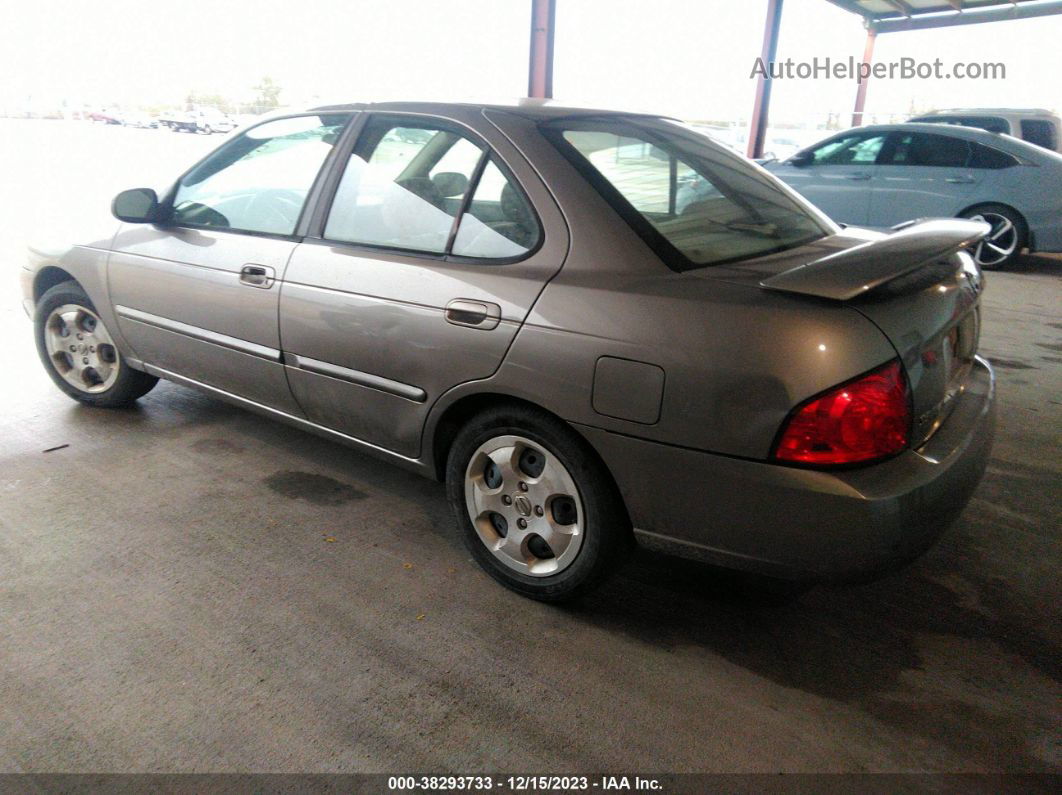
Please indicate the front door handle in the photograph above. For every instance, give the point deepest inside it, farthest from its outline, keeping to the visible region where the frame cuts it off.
(261, 276)
(474, 314)
(858, 175)
(959, 180)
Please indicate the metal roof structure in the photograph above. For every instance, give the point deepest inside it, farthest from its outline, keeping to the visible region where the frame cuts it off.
(879, 16)
(885, 16)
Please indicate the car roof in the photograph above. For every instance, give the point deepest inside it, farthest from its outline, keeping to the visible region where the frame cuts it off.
(954, 130)
(1007, 143)
(988, 112)
(537, 109)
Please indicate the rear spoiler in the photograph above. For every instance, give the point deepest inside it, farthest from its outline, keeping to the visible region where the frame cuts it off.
(858, 270)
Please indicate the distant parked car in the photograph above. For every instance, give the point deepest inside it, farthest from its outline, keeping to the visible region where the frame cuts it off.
(514, 300)
(199, 121)
(141, 120)
(104, 116)
(1035, 125)
(884, 175)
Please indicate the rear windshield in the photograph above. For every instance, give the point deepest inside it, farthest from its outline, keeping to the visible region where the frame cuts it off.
(695, 203)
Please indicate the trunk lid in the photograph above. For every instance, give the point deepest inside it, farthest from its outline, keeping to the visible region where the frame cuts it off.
(917, 285)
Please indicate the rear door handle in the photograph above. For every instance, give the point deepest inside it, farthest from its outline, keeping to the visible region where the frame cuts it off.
(959, 180)
(474, 314)
(261, 276)
(858, 175)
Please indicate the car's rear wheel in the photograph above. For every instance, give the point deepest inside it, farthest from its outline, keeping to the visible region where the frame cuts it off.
(79, 353)
(1006, 240)
(535, 506)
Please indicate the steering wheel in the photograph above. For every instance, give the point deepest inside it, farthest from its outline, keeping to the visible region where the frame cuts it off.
(276, 209)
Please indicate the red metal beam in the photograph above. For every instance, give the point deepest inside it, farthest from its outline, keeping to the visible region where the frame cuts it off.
(861, 92)
(762, 105)
(540, 65)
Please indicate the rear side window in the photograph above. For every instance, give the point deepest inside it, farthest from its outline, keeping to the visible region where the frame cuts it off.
(987, 157)
(1040, 132)
(259, 181)
(428, 187)
(499, 222)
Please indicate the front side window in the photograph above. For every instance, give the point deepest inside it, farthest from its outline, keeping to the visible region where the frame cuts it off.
(856, 149)
(694, 202)
(259, 181)
(427, 187)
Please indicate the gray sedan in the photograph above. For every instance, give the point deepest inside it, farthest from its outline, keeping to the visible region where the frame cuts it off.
(884, 175)
(597, 328)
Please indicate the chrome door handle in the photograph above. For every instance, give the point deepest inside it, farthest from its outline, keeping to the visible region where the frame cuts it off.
(857, 176)
(261, 276)
(474, 314)
(959, 180)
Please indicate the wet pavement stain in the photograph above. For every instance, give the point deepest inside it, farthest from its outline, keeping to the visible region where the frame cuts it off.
(216, 445)
(317, 489)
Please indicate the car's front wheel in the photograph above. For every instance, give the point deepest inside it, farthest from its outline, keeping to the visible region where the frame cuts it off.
(1004, 243)
(535, 506)
(79, 353)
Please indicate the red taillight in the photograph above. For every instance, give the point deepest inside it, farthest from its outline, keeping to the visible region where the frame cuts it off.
(859, 421)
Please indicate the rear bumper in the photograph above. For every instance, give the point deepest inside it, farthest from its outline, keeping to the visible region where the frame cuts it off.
(803, 523)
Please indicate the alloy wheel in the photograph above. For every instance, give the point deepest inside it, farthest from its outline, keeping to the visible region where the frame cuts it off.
(80, 348)
(1000, 244)
(524, 505)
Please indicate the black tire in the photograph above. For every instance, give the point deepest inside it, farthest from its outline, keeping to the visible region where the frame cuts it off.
(993, 214)
(129, 384)
(607, 536)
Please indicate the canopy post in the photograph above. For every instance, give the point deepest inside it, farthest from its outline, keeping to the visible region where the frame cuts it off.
(761, 107)
(864, 78)
(540, 61)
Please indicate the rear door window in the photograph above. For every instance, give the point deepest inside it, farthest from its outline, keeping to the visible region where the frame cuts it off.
(924, 149)
(427, 186)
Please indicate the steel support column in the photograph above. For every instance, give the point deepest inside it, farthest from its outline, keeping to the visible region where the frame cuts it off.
(861, 91)
(761, 108)
(540, 62)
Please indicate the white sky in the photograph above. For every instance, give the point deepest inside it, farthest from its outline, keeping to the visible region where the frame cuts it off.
(690, 58)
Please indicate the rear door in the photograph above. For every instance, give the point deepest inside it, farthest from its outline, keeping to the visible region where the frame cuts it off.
(417, 276)
(198, 296)
(922, 175)
(839, 176)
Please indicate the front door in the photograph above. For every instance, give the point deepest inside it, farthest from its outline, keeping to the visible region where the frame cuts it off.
(430, 257)
(198, 295)
(839, 176)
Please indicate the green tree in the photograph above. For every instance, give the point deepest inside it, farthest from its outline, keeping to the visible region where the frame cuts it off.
(268, 93)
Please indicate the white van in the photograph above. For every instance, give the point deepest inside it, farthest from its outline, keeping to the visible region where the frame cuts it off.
(1035, 125)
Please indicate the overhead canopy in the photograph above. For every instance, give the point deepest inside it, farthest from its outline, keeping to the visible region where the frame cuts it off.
(884, 16)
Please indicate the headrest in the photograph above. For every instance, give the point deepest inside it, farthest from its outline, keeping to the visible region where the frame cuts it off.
(450, 184)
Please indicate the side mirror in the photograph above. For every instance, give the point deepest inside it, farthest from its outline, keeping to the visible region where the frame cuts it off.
(801, 159)
(136, 206)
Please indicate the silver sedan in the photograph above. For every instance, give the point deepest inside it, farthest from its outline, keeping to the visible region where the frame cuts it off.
(884, 175)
